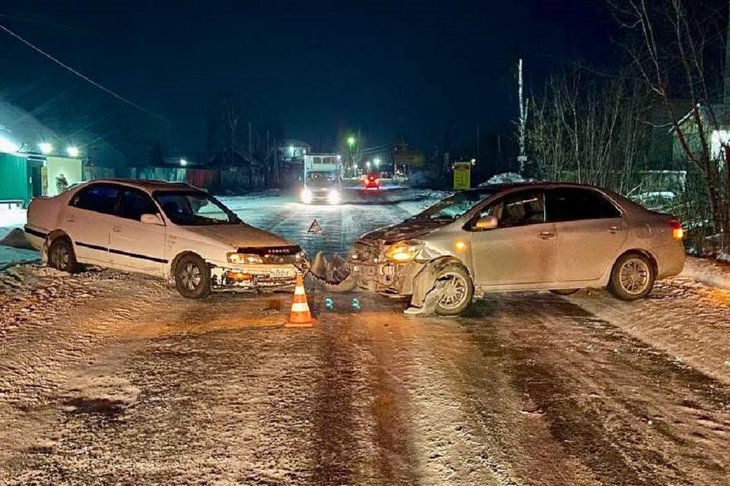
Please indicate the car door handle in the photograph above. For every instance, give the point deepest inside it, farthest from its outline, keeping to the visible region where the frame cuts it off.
(615, 229)
(546, 235)
(116, 229)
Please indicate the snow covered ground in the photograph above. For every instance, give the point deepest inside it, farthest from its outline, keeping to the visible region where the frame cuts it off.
(110, 378)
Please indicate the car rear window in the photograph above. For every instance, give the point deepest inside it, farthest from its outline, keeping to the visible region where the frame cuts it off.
(100, 198)
(575, 204)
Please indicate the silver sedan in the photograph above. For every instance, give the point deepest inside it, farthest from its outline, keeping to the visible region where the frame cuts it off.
(520, 237)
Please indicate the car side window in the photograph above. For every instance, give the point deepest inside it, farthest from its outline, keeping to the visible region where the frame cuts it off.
(576, 204)
(519, 209)
(133, 204)
(100, 198)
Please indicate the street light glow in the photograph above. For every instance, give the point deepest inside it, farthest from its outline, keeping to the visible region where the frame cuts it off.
(8, 146)
(377, 162)
(45, 147)
(183, 162)
(72, 151)
(351, 141)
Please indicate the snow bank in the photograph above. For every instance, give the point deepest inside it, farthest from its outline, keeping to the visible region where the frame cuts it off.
(11, 218)
(708, 272)
(505, 178)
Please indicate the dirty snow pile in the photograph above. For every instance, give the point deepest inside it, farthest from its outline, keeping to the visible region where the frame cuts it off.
(505, 178)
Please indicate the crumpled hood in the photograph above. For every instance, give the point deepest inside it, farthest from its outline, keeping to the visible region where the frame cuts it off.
(404, 231)
(239, 235)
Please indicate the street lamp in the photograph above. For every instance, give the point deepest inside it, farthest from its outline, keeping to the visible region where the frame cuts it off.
(46, 148)
(377, 162)
(367, 164)
(351, 141)
(183, 162)
(72, 151)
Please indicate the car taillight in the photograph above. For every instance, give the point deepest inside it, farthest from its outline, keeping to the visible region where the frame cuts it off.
(677, 230)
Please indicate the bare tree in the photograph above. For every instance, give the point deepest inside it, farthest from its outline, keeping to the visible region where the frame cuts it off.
(669, 43)
(226, 127)
(590, 129)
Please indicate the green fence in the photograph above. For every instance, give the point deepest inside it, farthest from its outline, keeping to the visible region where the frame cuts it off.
(14, 178)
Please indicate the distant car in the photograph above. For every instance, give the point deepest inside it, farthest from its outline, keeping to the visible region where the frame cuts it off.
(371, 181)
(519, 237)
(164, 229)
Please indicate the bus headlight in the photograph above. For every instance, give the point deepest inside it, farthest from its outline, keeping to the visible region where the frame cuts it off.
(333, 197)
(306, 195)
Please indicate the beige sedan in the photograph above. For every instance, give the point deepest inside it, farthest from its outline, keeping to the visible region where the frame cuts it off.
(520, 237)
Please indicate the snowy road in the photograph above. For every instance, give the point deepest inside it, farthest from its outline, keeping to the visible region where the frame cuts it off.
(112, 378)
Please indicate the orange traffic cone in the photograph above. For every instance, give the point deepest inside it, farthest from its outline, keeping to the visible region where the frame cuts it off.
(300, 315)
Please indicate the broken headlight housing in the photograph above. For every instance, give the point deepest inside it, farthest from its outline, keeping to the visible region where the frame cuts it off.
(248, 258)
(403, 251)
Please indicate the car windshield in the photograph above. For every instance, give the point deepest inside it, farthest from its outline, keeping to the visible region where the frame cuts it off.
(321, 179)
(194, 208)
(452, 207)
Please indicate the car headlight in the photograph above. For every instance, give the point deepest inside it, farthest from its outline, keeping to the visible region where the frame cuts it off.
(306, 195)
(403, 251)
(249, 258)
(334, 196)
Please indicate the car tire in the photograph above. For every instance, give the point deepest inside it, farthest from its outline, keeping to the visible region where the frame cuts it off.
(61, 255)
(564, 292)
(460, 288)
(192, 277)
(632, 277)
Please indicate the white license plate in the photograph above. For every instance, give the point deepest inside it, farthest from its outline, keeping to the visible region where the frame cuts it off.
(282, 273)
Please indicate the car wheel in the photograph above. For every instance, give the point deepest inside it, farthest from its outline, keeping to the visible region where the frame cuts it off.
(61, 255)
(632, 277)
(458, 290)
(192, 277)
(564, 291)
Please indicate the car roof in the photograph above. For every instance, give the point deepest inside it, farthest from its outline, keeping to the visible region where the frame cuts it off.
(504, 188)
(509, 186)
(147, 185)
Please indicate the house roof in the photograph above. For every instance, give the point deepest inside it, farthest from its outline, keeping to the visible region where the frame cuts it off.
(293, 142)
(716, 114)
(22, 128)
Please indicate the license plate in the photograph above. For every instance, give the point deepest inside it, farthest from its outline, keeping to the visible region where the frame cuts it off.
(282, 273)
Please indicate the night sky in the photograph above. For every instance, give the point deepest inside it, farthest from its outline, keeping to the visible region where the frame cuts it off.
(396, 69)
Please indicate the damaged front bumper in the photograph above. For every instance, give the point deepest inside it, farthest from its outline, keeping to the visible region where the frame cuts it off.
(259, 277)
(374, 273)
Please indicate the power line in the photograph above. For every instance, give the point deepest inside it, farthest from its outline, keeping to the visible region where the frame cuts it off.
(85, 78)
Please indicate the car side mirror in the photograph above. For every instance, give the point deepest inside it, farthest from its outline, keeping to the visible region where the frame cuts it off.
(487, 223)
(152, 219)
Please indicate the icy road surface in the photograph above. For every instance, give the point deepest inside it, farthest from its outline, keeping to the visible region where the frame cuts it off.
(110, 378)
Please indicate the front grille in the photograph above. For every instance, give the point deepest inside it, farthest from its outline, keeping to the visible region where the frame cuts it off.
(364, 252)
(271, 250)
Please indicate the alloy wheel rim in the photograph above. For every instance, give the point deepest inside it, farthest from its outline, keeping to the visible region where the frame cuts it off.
(634, 276)
(60, 257)
(191, 276)
(455, 291)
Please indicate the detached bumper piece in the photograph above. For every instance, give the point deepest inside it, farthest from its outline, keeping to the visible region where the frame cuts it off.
(250, 279)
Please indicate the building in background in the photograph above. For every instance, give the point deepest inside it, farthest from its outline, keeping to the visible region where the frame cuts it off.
(34, 160)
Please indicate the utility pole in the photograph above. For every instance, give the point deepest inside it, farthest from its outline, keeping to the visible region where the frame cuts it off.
(522, 158)
(478, 142)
